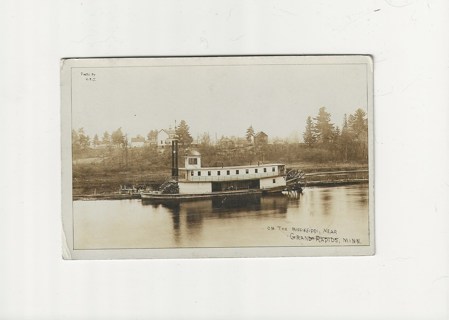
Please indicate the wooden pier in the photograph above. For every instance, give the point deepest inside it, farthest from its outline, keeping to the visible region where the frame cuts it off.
(333, 178)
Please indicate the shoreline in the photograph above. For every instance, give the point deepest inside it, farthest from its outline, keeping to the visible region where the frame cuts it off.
(118, 196)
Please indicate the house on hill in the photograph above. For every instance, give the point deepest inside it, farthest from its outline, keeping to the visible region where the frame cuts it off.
(260, 138)
(165, 138)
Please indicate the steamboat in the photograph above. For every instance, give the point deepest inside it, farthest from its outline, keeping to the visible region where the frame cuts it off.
(197, 182)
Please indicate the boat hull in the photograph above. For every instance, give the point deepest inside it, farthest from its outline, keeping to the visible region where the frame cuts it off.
(179, 196)
(234, 194)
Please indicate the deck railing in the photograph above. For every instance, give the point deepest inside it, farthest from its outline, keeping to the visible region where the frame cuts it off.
(243, 176)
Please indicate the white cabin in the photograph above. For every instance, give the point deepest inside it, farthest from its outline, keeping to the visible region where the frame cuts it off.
(194, 179)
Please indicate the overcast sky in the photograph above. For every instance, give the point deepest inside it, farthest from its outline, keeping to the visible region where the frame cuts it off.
(275, 99)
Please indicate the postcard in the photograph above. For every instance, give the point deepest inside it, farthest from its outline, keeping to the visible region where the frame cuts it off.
(221, 156)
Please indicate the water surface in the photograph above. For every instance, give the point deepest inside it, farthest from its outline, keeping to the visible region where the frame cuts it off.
(321, 216)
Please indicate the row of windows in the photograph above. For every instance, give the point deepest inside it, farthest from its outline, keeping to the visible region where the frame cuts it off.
(193, 161)
(228, 172)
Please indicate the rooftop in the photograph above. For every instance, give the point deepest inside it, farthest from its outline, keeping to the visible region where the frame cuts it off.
(192, 153)
(262, 165)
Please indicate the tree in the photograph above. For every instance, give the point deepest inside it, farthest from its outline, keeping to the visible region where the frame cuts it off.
(96, 141)
(75, 143)
(309, 135)
(358, 123)
(205, 139)
(106, 138)
(84, 140)
(345, 139)
(184, 137)
(125, 146)
(358, 126)
(250, 134)
(118, 137)
(324, 129)
(152, 135)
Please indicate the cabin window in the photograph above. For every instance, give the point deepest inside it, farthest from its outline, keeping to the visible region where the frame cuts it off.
(247, 170)
(199, 173)
(274, 180)
(193, 161)
(236, 171)
(228, 172)
(256, 170)
(264, 169)
(208, 173)
(218, 173)
(273, 169)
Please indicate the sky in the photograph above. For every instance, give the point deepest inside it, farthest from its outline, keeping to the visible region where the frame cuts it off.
(220, 100)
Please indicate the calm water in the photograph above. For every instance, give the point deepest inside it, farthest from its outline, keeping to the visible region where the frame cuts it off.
(321, 216)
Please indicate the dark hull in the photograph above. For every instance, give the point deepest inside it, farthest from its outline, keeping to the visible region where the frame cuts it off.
(160, 196)
(229, 195)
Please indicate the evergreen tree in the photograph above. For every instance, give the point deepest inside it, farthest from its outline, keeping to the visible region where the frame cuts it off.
(96, 141)
(309, 135)
(118, 138)
(324, 129)
(250, 134)
(358, 126)
(183, 134)
(84, 140)
(345, 139)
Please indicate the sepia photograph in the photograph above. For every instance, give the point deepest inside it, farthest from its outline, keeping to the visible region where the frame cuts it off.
(250, 156)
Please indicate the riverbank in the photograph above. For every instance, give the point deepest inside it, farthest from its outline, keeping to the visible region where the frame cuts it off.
(120, 196)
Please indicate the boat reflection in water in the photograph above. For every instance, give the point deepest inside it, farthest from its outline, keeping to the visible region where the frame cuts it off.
(188, 217)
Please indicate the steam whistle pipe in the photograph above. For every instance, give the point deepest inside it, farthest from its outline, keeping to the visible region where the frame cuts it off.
(174, 159)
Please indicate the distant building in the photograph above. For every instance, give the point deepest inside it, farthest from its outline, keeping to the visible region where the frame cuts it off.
(137, 142)
(165, 138)
(260, 138)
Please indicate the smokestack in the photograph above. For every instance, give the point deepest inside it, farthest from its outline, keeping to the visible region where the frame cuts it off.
(174, 159)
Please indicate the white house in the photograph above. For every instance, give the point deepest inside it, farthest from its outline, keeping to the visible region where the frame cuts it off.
(165, 138)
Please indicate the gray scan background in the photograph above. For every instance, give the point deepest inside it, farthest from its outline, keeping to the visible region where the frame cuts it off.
(406, 279)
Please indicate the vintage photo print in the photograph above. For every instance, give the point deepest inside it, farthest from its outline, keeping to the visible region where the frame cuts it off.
(233, 156)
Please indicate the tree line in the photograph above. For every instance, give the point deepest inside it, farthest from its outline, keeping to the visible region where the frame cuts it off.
(323, 141)
(82, 142)
(348, 143)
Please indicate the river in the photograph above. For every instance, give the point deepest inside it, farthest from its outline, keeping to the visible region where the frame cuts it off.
(320, 216)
